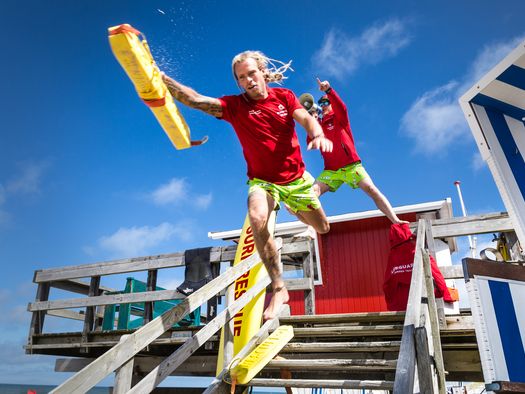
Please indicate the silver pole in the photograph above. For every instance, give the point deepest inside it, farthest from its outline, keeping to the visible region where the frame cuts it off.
(471, 240)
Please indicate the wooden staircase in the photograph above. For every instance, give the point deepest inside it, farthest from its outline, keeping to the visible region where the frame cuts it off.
(345, 351)
(358, 351)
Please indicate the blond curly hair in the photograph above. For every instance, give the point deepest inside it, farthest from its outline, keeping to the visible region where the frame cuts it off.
(271, 71)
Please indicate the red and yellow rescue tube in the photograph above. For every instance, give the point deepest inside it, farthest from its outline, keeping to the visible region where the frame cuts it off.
(134, 56)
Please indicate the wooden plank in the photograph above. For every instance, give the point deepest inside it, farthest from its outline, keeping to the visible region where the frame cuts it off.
(77, 286)
(110, 267)
(320, 383)
(434, 324)
(145, 263)
(123, 376)
(193, 366)
(412, 315)
(308, 272)
(406, 362)
(493, 269)
(67, 314)
(127, 298)
(151, 285)
(122, 352)
(341, 347)
(424, 361)
(336, 331)
(470, 218)
(344, 318)
(298, 284)
(452, 271)
(158, 374)
(333, 365)
(89, 319)
(471, 228)
(227, 333)
(218, 386)
(37, 319)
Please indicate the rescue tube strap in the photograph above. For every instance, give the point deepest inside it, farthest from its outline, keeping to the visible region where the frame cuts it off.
(125, 28)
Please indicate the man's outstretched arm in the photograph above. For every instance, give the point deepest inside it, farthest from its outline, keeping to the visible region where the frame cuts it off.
(191, 98)
(314, 131)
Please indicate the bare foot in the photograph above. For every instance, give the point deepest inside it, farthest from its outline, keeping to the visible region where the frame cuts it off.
(280, 296)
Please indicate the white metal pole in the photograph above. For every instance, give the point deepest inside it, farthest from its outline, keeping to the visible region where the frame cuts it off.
(471, 240)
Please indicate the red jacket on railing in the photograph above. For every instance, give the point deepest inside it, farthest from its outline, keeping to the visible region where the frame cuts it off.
(398, 272)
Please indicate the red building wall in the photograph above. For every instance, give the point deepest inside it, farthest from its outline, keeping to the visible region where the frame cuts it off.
(353, 258)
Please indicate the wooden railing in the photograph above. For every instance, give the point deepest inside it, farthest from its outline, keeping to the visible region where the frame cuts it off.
(119, 359)
(421, 343)
(98, 296)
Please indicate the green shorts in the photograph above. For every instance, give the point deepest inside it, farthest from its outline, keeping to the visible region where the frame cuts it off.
(351, 175)
(297, 195)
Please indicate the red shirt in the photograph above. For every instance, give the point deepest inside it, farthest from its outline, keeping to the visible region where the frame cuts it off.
(336, 127)
(266, 131)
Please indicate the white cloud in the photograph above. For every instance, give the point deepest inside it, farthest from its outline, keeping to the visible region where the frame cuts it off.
(177, 192)
(477, 162)
(489, 56)
(203, 201)
(435, 120)
(28, 180)
(136, 241)
(341, 55)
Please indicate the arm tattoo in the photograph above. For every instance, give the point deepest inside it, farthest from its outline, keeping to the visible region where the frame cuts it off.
(191, 98)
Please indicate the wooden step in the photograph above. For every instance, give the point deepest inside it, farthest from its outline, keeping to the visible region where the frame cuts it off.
(341, 331)
(366, 317)
(341, 347)
(335, 365)
(330, 384)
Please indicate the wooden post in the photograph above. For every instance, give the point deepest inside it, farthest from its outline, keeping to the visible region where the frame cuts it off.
(424, 362)
(228, 329)
(308, 272)
(89, 320)
(37, 319)
(151, 285)
(434, 326)
(406, 363)
(124, 375)
(432, 249)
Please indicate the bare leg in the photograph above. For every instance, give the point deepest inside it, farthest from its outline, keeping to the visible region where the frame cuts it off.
(260, 206)
(379, 199)
(310, 220)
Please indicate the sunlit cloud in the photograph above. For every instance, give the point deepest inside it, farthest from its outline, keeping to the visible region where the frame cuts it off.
(341, 55)
(177, 192)
(435, 120)
(28, 180)
(25, 181)
(135, 241)
(477, 162)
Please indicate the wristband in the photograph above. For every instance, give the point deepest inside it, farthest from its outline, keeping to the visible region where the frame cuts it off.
(328, 90)
(317, 136)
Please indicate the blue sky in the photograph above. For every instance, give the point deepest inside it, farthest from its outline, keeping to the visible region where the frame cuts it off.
(86, 173)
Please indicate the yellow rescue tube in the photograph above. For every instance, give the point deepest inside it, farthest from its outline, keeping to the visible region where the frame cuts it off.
(134, 56)
(253, 363)
(247, 322)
